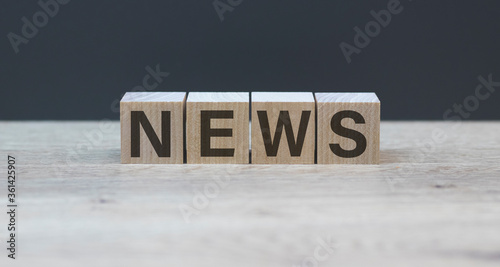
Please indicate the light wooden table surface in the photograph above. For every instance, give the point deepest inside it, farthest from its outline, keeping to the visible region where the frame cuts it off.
(424, 205)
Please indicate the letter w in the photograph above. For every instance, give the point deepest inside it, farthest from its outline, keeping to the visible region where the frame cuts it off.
(283, 121)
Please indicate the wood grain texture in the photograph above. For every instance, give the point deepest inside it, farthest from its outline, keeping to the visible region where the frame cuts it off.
(368, 124)
(217, 128)
(153, 104)
(430, 202)
(280, 111)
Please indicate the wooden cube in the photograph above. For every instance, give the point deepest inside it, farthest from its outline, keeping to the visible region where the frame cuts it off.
(217, 128)
(283, 128)
(348, 128)
(152, 129)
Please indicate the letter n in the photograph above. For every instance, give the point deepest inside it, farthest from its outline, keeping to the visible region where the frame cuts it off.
(138, 118)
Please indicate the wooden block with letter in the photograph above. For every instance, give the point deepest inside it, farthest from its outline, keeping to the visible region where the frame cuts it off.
(348, 128)
(217, 128)
(152, 129)
(283, 128)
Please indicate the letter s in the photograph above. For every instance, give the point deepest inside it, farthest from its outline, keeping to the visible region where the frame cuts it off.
(358, 137)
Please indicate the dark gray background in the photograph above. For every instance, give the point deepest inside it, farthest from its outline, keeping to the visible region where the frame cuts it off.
(428, 58)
